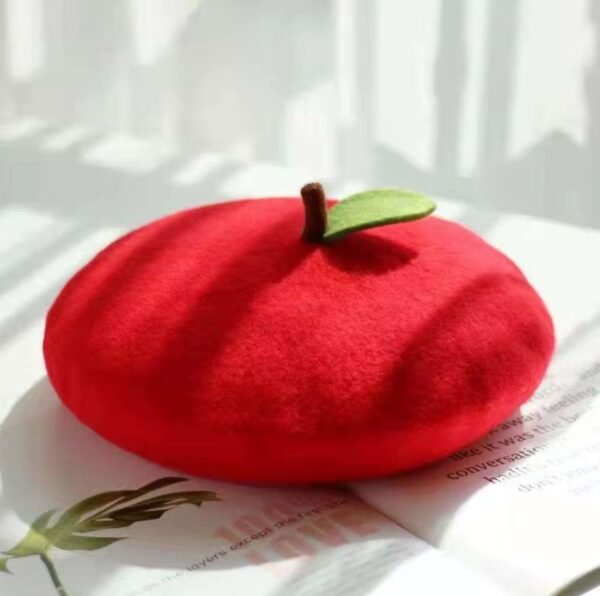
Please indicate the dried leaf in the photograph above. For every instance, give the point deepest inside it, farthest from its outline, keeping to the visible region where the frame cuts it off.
(75, 542)
(103, 512)
(35, 541)
(192, 497)
(136, 516)
(160, 483)
(40, 523)
(76, 512)
(95, 525)
(147, 510)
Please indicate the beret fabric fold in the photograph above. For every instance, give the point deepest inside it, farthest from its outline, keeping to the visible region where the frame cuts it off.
(218, 342)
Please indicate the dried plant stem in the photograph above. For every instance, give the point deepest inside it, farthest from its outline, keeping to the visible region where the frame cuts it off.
(53, 575)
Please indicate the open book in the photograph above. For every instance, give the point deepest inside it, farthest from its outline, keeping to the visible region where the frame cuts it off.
(516, 513)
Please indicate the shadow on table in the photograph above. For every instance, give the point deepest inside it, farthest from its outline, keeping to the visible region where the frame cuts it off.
(48, 459)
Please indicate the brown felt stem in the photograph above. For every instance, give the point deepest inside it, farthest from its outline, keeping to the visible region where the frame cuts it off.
(315, 212)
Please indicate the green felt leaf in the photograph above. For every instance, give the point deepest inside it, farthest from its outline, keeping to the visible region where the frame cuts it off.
(35, 541)
(375, 208)
(4, 566)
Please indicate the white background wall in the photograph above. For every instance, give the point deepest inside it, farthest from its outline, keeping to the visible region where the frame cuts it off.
(492, 102)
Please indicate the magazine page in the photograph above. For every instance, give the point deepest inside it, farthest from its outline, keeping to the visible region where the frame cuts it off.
(523, 504)
(121, 526)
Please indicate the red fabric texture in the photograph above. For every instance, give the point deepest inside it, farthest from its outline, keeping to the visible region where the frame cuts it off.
(217, 342)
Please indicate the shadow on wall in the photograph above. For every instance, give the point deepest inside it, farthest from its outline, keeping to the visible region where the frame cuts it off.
(205, 74)
(556, 177)
(237, 77)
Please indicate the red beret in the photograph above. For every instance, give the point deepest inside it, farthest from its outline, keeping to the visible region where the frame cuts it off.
(218, 342)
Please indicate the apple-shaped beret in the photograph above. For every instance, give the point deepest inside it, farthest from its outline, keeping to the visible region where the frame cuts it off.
(273, 341)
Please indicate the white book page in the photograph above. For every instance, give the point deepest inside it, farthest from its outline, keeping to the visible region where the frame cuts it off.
(263, 541)
(523, 504)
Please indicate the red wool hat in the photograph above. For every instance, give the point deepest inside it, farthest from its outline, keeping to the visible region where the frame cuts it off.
(222, 342)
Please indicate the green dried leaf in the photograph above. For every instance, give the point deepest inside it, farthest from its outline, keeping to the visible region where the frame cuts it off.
(103, 513)
(155, 507)
(40, 523)
(160, 483)
(74, 513)
(35, 541)
(191, 497)
(95, 525)
(147, 488)
(109, 518)
(135, 516)
(581, 585)
(75, 542)
(375, 208)
(99, 502)
(150, 509)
